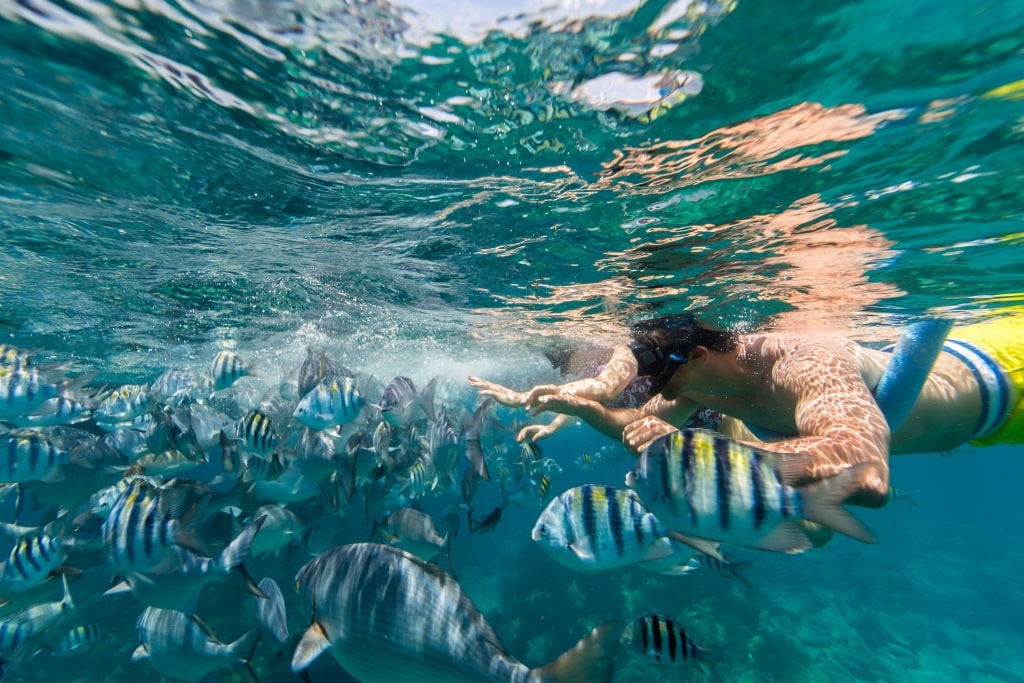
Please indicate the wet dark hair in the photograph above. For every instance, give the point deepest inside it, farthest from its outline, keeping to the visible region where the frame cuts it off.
(661, 345)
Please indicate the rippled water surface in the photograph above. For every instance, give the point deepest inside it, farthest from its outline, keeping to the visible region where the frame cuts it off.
(180, 174)
(438, 186)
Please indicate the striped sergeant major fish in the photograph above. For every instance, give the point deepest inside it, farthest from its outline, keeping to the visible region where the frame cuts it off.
(37, 454)
(143, 532)
(726, 567)
(596, 528)
(79, 639)
(180, 588)
(59, 410)
(122, 404)
(13, 358)
(700, 483)
(399, 401)
(256, 430)
(228, 368)
(334, 401)
(386, 615)
(182, 647)
(33, 561)
(660, 641)
(23, 390)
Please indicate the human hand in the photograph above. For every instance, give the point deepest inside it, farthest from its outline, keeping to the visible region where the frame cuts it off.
(534, 433)
(639, 435)
(502, 395)
(534, 394)
(559, 402)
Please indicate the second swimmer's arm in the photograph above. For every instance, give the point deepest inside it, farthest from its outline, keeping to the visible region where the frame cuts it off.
(616, 375)
(612, 421)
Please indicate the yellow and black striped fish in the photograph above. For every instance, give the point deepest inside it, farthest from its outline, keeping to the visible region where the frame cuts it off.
(228, 367)
(700, 483)
(257, 433)
(662, 642)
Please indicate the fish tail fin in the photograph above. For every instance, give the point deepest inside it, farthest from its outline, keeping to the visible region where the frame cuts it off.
(243, 649)
(234, 554)
(823, 502)
(591, 660)
(739, 570)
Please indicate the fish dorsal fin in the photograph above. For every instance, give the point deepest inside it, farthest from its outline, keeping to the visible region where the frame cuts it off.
(314, 641)
(140, 653)
(591, 660)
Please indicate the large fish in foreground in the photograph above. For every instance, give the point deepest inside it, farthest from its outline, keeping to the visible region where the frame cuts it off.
(389, 617)
(703, 484)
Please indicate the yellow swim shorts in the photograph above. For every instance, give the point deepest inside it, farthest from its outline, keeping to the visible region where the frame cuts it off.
(994, 350)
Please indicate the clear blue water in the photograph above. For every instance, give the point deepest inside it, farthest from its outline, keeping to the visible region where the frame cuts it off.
(438, 188)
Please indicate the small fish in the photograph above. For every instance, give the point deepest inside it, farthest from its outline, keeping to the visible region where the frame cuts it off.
(143, 534)
(544, 487)
(486, 525)
(182, 647)
(334, 401)
(400, 401)
(79, 639)
(38, 618)
(597, 528)
(660, 641)
(702, 484)
(180, 588)
(421, 479)
(316, 367)
(257, 433)
(264, 469)
(32, 562)
(123, 404)
(23, 390)
(414, 532)
(281, 527)
(586, 462)
(270, 612)
(59, 410)
(902, 496)
(228, 368)
(726, 568)
(174, 386)
(37, 454)
(386, 615)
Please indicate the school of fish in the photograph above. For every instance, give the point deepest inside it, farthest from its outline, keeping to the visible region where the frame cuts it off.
(179, 484)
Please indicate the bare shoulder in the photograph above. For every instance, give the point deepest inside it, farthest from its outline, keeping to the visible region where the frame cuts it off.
(808, 361)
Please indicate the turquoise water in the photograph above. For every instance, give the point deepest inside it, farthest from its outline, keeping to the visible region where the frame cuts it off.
(443, 188)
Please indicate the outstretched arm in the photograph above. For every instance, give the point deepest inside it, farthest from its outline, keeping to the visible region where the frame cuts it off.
(613, 421)
(839, 422)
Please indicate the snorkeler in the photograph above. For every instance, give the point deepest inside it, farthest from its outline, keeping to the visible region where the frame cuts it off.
(812, 395)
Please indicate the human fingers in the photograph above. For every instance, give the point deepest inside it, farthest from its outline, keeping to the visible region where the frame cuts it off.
(532, 433)
(540, 390)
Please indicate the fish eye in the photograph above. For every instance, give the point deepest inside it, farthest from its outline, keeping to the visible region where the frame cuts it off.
(542, 529)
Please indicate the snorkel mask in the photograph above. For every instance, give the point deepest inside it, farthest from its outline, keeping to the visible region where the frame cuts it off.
(657, 363)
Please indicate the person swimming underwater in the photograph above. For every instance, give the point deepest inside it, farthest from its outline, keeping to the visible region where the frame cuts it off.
(812, 394)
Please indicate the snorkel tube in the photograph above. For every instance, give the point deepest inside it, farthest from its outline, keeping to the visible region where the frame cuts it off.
(912, 360)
